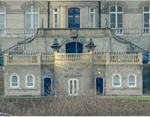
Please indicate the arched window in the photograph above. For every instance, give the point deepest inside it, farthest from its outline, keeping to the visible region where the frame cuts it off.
(29, 81)
(116, 16)
(116, 81)
(31, 16)
(132, 81)
(92, 17)
(73, 86)
(55, 18)
(14, 81)
(2, 18)
(146, 16)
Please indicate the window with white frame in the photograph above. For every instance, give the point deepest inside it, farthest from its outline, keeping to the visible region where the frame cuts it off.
(29, 81)
(146, 17)
(31, 16)
(73, 86)
(55, 17)
(2, 18)
(116, 81)
(116, 16)
(14, 81)
(92, 18)
(132, 81)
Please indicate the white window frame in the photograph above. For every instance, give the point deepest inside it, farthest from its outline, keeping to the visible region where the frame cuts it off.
(146, 13)
(135, 80)
(3, 32)
(113, 80)
(11, 81)
(32, 13)
(73, 79)
(33, 81)
(54, 18)
(93, 18)
(116, 14)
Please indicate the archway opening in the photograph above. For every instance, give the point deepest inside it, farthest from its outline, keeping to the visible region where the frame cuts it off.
(74, 47)
(47, 86)
(99, 86)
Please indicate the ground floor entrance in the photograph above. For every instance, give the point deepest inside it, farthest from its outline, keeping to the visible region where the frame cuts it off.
(99, 85)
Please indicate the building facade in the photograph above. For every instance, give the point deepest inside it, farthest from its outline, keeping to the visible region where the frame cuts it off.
(79, 47)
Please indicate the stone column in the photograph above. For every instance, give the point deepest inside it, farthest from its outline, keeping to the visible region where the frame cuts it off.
(86, 17)
(5, 58)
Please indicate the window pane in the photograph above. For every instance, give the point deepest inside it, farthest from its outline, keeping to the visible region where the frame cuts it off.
(120, 22)
(70, 19)
(30, 79)
(35, 19)
(29, 84)
(112, 9)
(28, 9)
(77, 19)
(77, 10)
(35, 9)
(92, 10)
(14, 79)
(14, 84)
(92, 20)
(28, 21)
(70, 11)
(55, 10)
(2, 9)
(146, 20)
(146, 8)
(113, 20)
(71, 87)
(55, 18)
(2, 16)
(116, 80)
(119, 9)
(131, 80)
(75, 87)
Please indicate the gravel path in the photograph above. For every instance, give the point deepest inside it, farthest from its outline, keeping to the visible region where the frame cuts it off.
(4, 114)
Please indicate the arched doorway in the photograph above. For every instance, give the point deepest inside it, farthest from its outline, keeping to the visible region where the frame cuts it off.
(73, 18)
(74, 47)
(47, 86)
(99, 85)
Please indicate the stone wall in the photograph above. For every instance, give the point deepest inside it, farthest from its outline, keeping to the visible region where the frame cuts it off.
(80, 71)
(124, 71)
(22, 72)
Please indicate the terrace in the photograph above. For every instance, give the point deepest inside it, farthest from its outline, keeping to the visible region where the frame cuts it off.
(48, 58)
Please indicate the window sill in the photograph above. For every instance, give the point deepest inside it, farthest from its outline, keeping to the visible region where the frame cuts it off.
(15, 88)
(125, 88)
(30, 88)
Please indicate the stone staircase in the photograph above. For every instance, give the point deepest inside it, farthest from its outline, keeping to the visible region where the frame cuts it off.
(1, 81)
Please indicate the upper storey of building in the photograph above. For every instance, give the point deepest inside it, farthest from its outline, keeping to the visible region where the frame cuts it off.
(75, 14)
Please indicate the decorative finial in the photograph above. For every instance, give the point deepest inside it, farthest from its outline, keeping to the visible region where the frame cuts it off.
(91, 42)
(55, 42)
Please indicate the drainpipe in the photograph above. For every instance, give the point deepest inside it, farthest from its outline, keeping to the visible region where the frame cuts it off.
(48, 13)
(99, 13)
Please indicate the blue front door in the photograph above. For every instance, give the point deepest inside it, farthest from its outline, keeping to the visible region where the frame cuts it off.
(47, 86)
(99, 85)
(74, 18)
(73, 46)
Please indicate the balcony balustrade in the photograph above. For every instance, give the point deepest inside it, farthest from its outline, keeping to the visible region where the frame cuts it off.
(7, 32)
(47, 59)
(131, 31)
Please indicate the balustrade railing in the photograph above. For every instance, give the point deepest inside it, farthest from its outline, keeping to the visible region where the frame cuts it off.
(131, 31)
(7, 32)
(84, 57)
(97, 58)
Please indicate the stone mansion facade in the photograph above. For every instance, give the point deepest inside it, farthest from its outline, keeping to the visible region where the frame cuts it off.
(75, 47)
